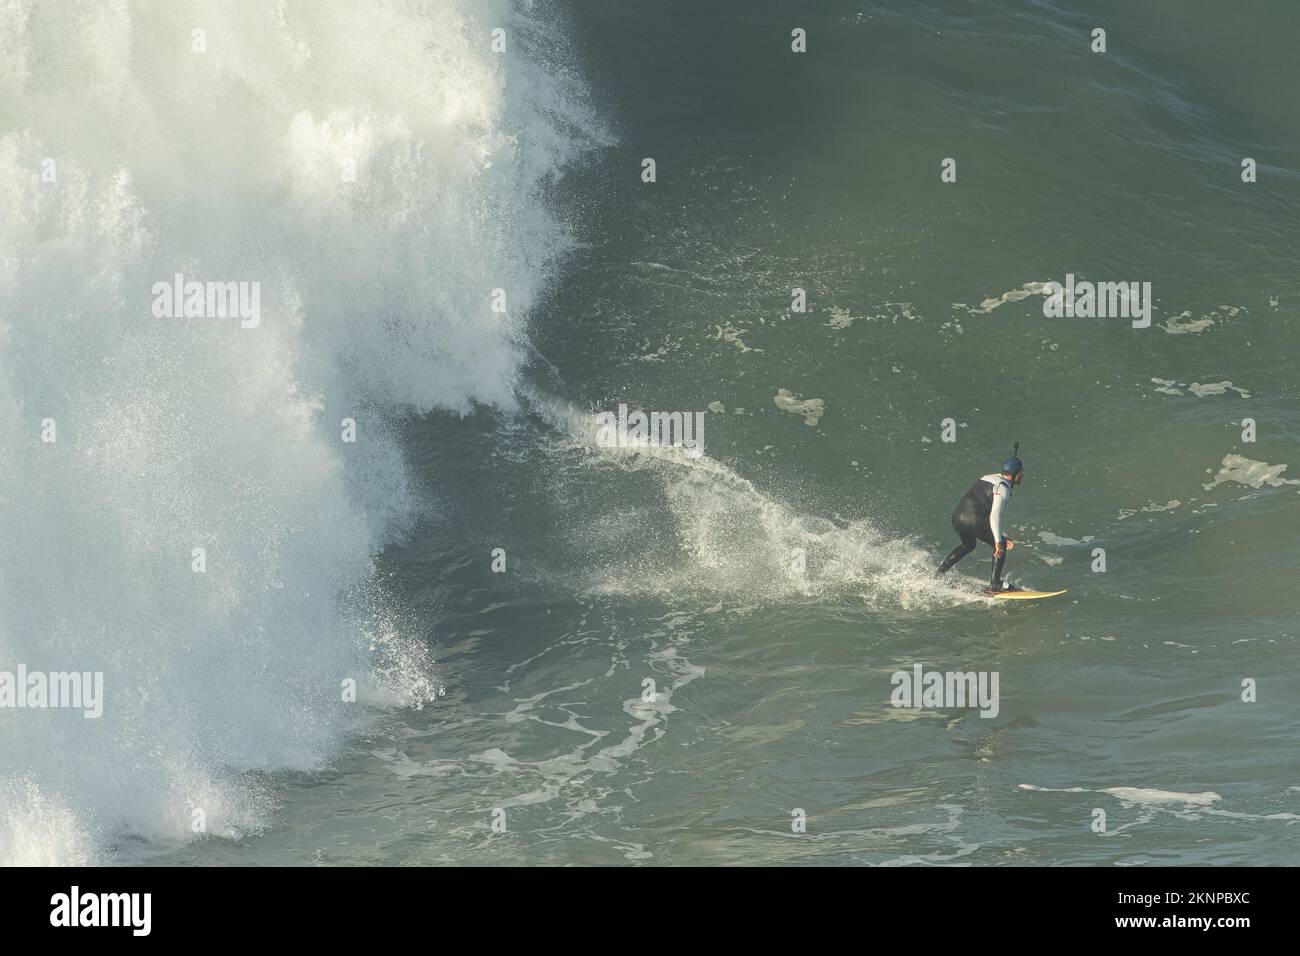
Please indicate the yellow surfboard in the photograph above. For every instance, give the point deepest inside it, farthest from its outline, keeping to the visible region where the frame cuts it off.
(1019, 595)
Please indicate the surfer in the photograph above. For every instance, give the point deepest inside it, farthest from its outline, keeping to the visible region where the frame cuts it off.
(978, 516)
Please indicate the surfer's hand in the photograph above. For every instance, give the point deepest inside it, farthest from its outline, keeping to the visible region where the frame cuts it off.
(997, 550)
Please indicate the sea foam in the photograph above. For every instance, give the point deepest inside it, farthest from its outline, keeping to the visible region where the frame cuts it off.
(377, 169)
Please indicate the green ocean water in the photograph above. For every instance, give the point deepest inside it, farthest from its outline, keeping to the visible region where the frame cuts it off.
(771, 689)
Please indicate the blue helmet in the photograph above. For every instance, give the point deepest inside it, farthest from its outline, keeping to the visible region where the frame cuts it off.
(1013, 466)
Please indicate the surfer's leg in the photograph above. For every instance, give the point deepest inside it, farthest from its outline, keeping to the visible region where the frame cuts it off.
(966, 547)
(995, 579)
(985, 534)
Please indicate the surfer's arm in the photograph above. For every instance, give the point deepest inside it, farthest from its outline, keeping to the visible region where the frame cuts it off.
(995, 515)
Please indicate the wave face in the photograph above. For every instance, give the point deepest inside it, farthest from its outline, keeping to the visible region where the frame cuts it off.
(377, 168)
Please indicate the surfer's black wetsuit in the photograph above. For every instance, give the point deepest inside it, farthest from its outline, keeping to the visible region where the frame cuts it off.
(978, 517)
